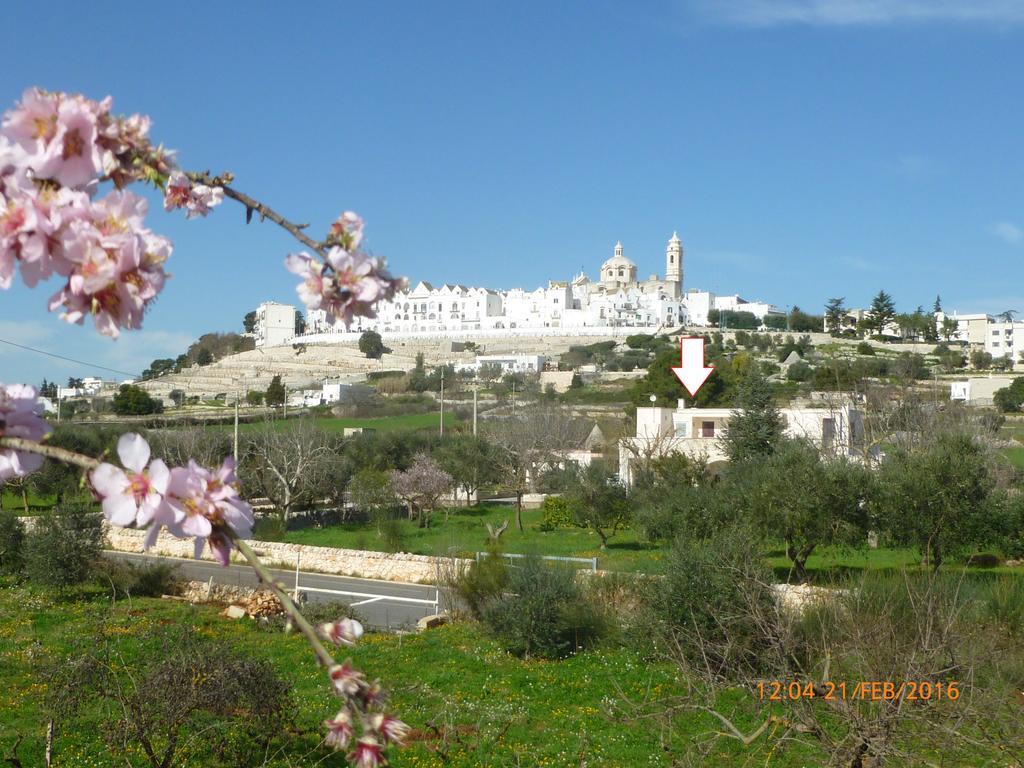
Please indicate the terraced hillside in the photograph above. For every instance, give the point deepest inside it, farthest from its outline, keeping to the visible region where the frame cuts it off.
(308, 365)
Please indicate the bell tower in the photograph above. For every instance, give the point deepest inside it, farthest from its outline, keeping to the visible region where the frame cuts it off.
(674, 263)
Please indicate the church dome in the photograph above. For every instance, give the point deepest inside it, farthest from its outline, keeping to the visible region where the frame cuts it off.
(617, 261)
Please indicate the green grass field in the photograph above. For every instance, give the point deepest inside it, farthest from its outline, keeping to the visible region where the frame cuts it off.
(501, 711)
(12, 499)
(465, 533)
(1016, 456)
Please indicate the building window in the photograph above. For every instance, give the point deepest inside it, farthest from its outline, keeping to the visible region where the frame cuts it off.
(828, 432)
(707, 429)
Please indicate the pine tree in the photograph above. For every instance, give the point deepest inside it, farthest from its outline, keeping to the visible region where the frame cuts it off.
(834, 313)
(756, 429)
(883, 311)
(275, 392)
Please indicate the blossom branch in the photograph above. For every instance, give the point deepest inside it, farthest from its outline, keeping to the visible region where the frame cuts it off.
(307, 629)
(50, 451)
(223, 182)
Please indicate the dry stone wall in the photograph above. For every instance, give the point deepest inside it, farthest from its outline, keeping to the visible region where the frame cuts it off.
(366, 564)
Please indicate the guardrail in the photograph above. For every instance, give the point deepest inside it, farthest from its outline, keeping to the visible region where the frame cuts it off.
(368, 597)
(591, 561)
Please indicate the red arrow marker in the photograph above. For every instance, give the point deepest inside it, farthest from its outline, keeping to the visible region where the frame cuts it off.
(692, 372)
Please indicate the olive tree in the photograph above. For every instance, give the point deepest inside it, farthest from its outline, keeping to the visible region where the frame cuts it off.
(935, 496)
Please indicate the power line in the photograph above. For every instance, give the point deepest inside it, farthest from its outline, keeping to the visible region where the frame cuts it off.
(68, 359)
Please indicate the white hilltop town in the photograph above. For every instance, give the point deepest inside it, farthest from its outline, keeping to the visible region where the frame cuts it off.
(517, 329)
(617, 302)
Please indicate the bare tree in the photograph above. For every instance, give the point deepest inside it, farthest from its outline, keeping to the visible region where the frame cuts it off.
(530, 442)
(291, 465)
(207, 446)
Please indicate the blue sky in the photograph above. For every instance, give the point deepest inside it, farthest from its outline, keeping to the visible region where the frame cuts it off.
(802, 148)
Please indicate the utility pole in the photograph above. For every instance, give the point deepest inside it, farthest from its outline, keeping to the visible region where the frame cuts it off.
(236, 424)
(442, 401)
(58, 405)
(286, 403)
(513, 395)
(475, 390)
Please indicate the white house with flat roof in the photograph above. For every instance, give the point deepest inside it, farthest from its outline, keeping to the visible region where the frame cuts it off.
(696, 432)
(513, 363)
(275, 324)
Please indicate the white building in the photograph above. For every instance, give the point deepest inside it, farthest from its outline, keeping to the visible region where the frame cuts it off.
(1002, 338)
(514, 363)
(91, 386)
(617, 299)
(696, 432)
(275, 324)
(978, 390)
(700, 303)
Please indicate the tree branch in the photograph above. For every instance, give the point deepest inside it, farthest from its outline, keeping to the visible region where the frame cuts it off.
(50, 451)
(307, 629)
(251, 204)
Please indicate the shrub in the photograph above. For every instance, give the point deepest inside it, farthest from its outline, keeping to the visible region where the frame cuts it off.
(126, 579)
(706, 602)
(192, 697)
(481, 583)
(391, 531)
(1010, 399)
(543, 614)
(131, 400)
(555, 513)
(799, 371)
(12, 540)
(864, 348)
(62, 545)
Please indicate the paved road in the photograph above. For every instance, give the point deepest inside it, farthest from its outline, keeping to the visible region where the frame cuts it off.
(385, 613)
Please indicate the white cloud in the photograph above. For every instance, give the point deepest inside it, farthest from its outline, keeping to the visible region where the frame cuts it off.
(1008, 232)
(769, 13)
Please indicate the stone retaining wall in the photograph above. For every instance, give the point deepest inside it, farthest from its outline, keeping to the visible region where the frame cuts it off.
(366, 564)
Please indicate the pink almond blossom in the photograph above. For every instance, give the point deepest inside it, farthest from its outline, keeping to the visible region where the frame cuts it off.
(196, 199)
(20, 416)
(391, 729)
(368, 753)
(347, 229)
(206, 501)
(58, 133)
(342, 632)
(339, 730)
(346, 679)
(346, 285)
(134, 495)
(72, 157)
(114, 264)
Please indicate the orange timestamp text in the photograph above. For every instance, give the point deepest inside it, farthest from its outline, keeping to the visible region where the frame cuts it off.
(863, 690)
